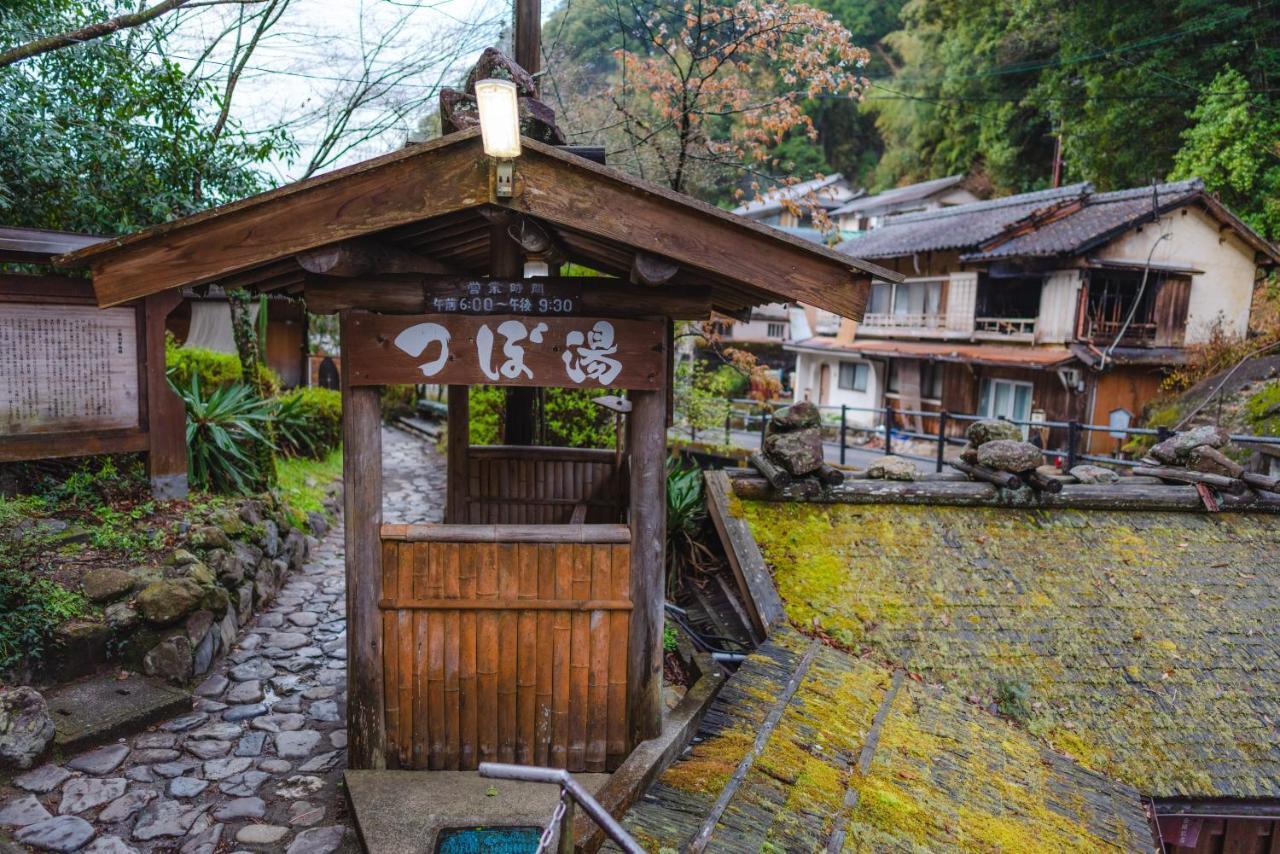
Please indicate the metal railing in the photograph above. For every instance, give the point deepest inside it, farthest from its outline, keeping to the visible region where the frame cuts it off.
(752, 417)
(888, 320)
(1010, 326)
(571, 793)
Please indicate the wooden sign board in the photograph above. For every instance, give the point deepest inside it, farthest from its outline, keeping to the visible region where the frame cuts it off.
(533, 297)
(67, 368)
(580, 352)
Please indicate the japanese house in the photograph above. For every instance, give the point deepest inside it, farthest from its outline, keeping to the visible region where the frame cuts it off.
(868, 212)
(1064, 304)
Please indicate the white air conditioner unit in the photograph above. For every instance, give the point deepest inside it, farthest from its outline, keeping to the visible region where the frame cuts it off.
(1072, 379)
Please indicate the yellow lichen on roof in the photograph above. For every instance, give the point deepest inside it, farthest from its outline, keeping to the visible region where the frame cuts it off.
(936, 773)
(1140, 643)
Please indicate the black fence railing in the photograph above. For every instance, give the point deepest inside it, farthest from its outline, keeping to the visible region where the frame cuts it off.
(745, 422)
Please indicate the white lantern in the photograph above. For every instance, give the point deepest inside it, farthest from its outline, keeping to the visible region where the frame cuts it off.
(499, 118)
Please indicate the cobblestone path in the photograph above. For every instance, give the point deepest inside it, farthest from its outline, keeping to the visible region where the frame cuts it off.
(256, 764)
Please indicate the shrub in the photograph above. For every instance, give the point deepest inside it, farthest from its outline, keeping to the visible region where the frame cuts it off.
(572, 420)
(308, 422)
(1262, 410)
(215, 370)
(222, 428)
(31, 606)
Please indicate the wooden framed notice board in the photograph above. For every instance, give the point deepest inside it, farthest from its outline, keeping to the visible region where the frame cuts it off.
(77, 380)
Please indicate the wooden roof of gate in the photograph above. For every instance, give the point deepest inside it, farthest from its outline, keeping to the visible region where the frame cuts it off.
(437, 200)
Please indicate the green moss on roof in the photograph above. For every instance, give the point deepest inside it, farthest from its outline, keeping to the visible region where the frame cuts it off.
(1143, 642)
(941, 774)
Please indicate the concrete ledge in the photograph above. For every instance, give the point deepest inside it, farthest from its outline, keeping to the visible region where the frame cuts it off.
(103, 708)
(403, 812)
(650, 758)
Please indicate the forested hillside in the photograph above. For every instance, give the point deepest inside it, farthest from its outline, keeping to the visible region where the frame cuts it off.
(1131, 91)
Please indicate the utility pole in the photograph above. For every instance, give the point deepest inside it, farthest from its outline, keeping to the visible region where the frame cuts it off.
(505, 255)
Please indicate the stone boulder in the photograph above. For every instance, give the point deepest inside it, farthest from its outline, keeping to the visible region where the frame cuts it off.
(105, 584)
(295, 548)
(969, 454)
(121, 617)
(25, 727)
(1177, 448)
(207, 537)
(318, 524)
(1212, 461)
(892, 468)
(171, 659)
(167, 601)
(989, 430)
(797, 416)
(1008, 455)
(1094, 474)
(181, 557)
(798, 452)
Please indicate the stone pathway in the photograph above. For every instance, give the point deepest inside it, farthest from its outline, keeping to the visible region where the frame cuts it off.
(256, 764)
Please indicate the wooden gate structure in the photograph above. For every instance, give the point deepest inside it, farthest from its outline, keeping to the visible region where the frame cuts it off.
(528, 626)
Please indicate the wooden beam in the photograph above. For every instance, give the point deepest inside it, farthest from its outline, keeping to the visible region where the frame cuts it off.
(375, 195)
(366, 257)
(166, 415)
(536, 239)
(592, 295)
(362, 480)
(651, 271)
(647, 442)
(600, 202)
(459, 441)
(520, 533)
(528, 35)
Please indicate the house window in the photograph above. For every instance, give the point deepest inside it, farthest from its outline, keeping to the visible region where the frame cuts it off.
(776, 330)
(853, 375)
(931, 381)
(906, 299)
(881, 294)
(1009, 399)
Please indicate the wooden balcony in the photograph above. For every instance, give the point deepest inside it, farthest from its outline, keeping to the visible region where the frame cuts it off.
(1005, 328)
(891, 324)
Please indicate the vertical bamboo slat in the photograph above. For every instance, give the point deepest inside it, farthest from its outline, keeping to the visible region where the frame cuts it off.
(563, 632)
(508, 588)
(527, 655)
(468, 684)
(391, 655)
(487, 655)
(546, 590)
(435, 657)
(418, 555)
(451, 568)
(598, 675)
(620, 577)
(407, 669)
(580, 663)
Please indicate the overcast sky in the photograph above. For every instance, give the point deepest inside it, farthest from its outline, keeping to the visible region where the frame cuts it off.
(315, 52)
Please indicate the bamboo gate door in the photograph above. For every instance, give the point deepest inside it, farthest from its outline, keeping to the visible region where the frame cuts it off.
(527, 627)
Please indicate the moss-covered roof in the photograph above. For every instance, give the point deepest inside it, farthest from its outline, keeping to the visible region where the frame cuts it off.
(1143, 644)
(841, 747)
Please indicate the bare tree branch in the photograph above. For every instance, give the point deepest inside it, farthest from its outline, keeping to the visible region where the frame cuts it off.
(48, 44)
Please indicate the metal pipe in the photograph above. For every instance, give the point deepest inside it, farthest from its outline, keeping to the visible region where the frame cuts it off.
(562, 778)
(729, 657)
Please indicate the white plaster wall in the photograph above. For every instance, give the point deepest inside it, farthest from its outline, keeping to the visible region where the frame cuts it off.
(1224, 290)
(807, 386)
(1056, 323)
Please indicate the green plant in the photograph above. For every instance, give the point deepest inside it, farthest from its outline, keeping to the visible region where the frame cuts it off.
(1013, 699)
(308, 422)
(686, 513)
(670, 638)
(399, 400)
(1262, 410)
(214, 369)
(571, 420)
(221, 430)
(31, 606)
(97, 481)
(122, 531)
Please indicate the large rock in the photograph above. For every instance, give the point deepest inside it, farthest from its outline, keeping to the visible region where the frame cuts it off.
(797, 416)
(989, 430)
(105, 584)
(892, 468)
(1177, 448)
(121, 617)
(167, 601)
(172, 659)
(1212, 461)
(1008, 455)
(294, 549)
(61, 833)
(25, 727)
(1094, 474)
(317, 522)
(799, 452)
(208, 537)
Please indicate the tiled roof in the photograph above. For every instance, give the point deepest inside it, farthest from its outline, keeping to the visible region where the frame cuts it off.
(899, 195)
(1141, 643)
(978, 354)
(956, 227)
(1103, 216)
(840, 753)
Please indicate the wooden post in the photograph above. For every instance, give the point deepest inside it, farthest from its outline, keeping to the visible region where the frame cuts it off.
(528, 35)
(506, 260)
(362, 479)
(648, 446)
(459, 432)
(166, 416)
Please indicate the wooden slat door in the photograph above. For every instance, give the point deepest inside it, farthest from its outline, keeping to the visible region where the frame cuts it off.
(505, 643)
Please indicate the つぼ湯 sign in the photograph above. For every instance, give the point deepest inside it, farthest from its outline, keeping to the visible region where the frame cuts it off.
(580, 352)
